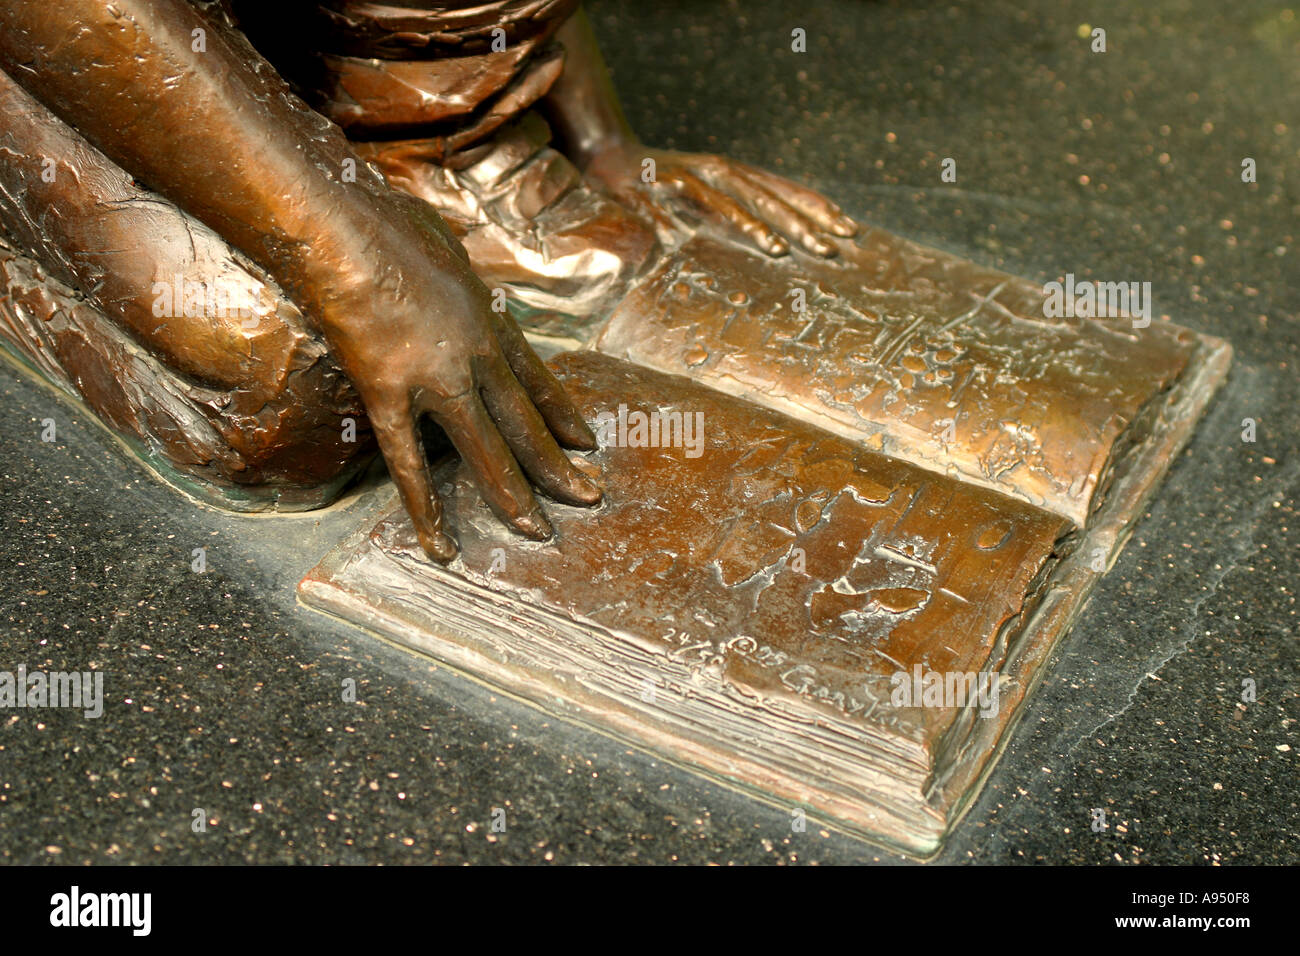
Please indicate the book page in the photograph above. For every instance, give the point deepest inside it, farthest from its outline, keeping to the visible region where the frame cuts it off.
(922, 355)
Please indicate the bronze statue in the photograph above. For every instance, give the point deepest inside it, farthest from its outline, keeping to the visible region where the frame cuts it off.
(872, 463)
(149, 142)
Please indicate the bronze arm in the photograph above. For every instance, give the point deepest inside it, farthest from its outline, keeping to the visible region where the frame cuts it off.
(184, 104)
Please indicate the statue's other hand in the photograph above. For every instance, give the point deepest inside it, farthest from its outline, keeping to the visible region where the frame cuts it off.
(420, 337)
(767, 211)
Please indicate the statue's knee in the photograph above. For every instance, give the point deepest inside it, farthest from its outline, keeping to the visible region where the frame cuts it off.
(175, 339)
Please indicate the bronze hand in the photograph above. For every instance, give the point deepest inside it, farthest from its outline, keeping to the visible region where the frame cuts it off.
(420, 337)
(765, 210)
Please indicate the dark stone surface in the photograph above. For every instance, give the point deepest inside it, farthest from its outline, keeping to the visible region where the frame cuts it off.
(222, 694)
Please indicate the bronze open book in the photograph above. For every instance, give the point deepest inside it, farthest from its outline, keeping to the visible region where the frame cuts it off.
(838, 542)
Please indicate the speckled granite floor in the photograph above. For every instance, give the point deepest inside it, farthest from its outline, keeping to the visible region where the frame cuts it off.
(224, 695)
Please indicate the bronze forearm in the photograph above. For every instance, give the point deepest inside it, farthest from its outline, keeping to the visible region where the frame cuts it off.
(582, 107)
(189, 108)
